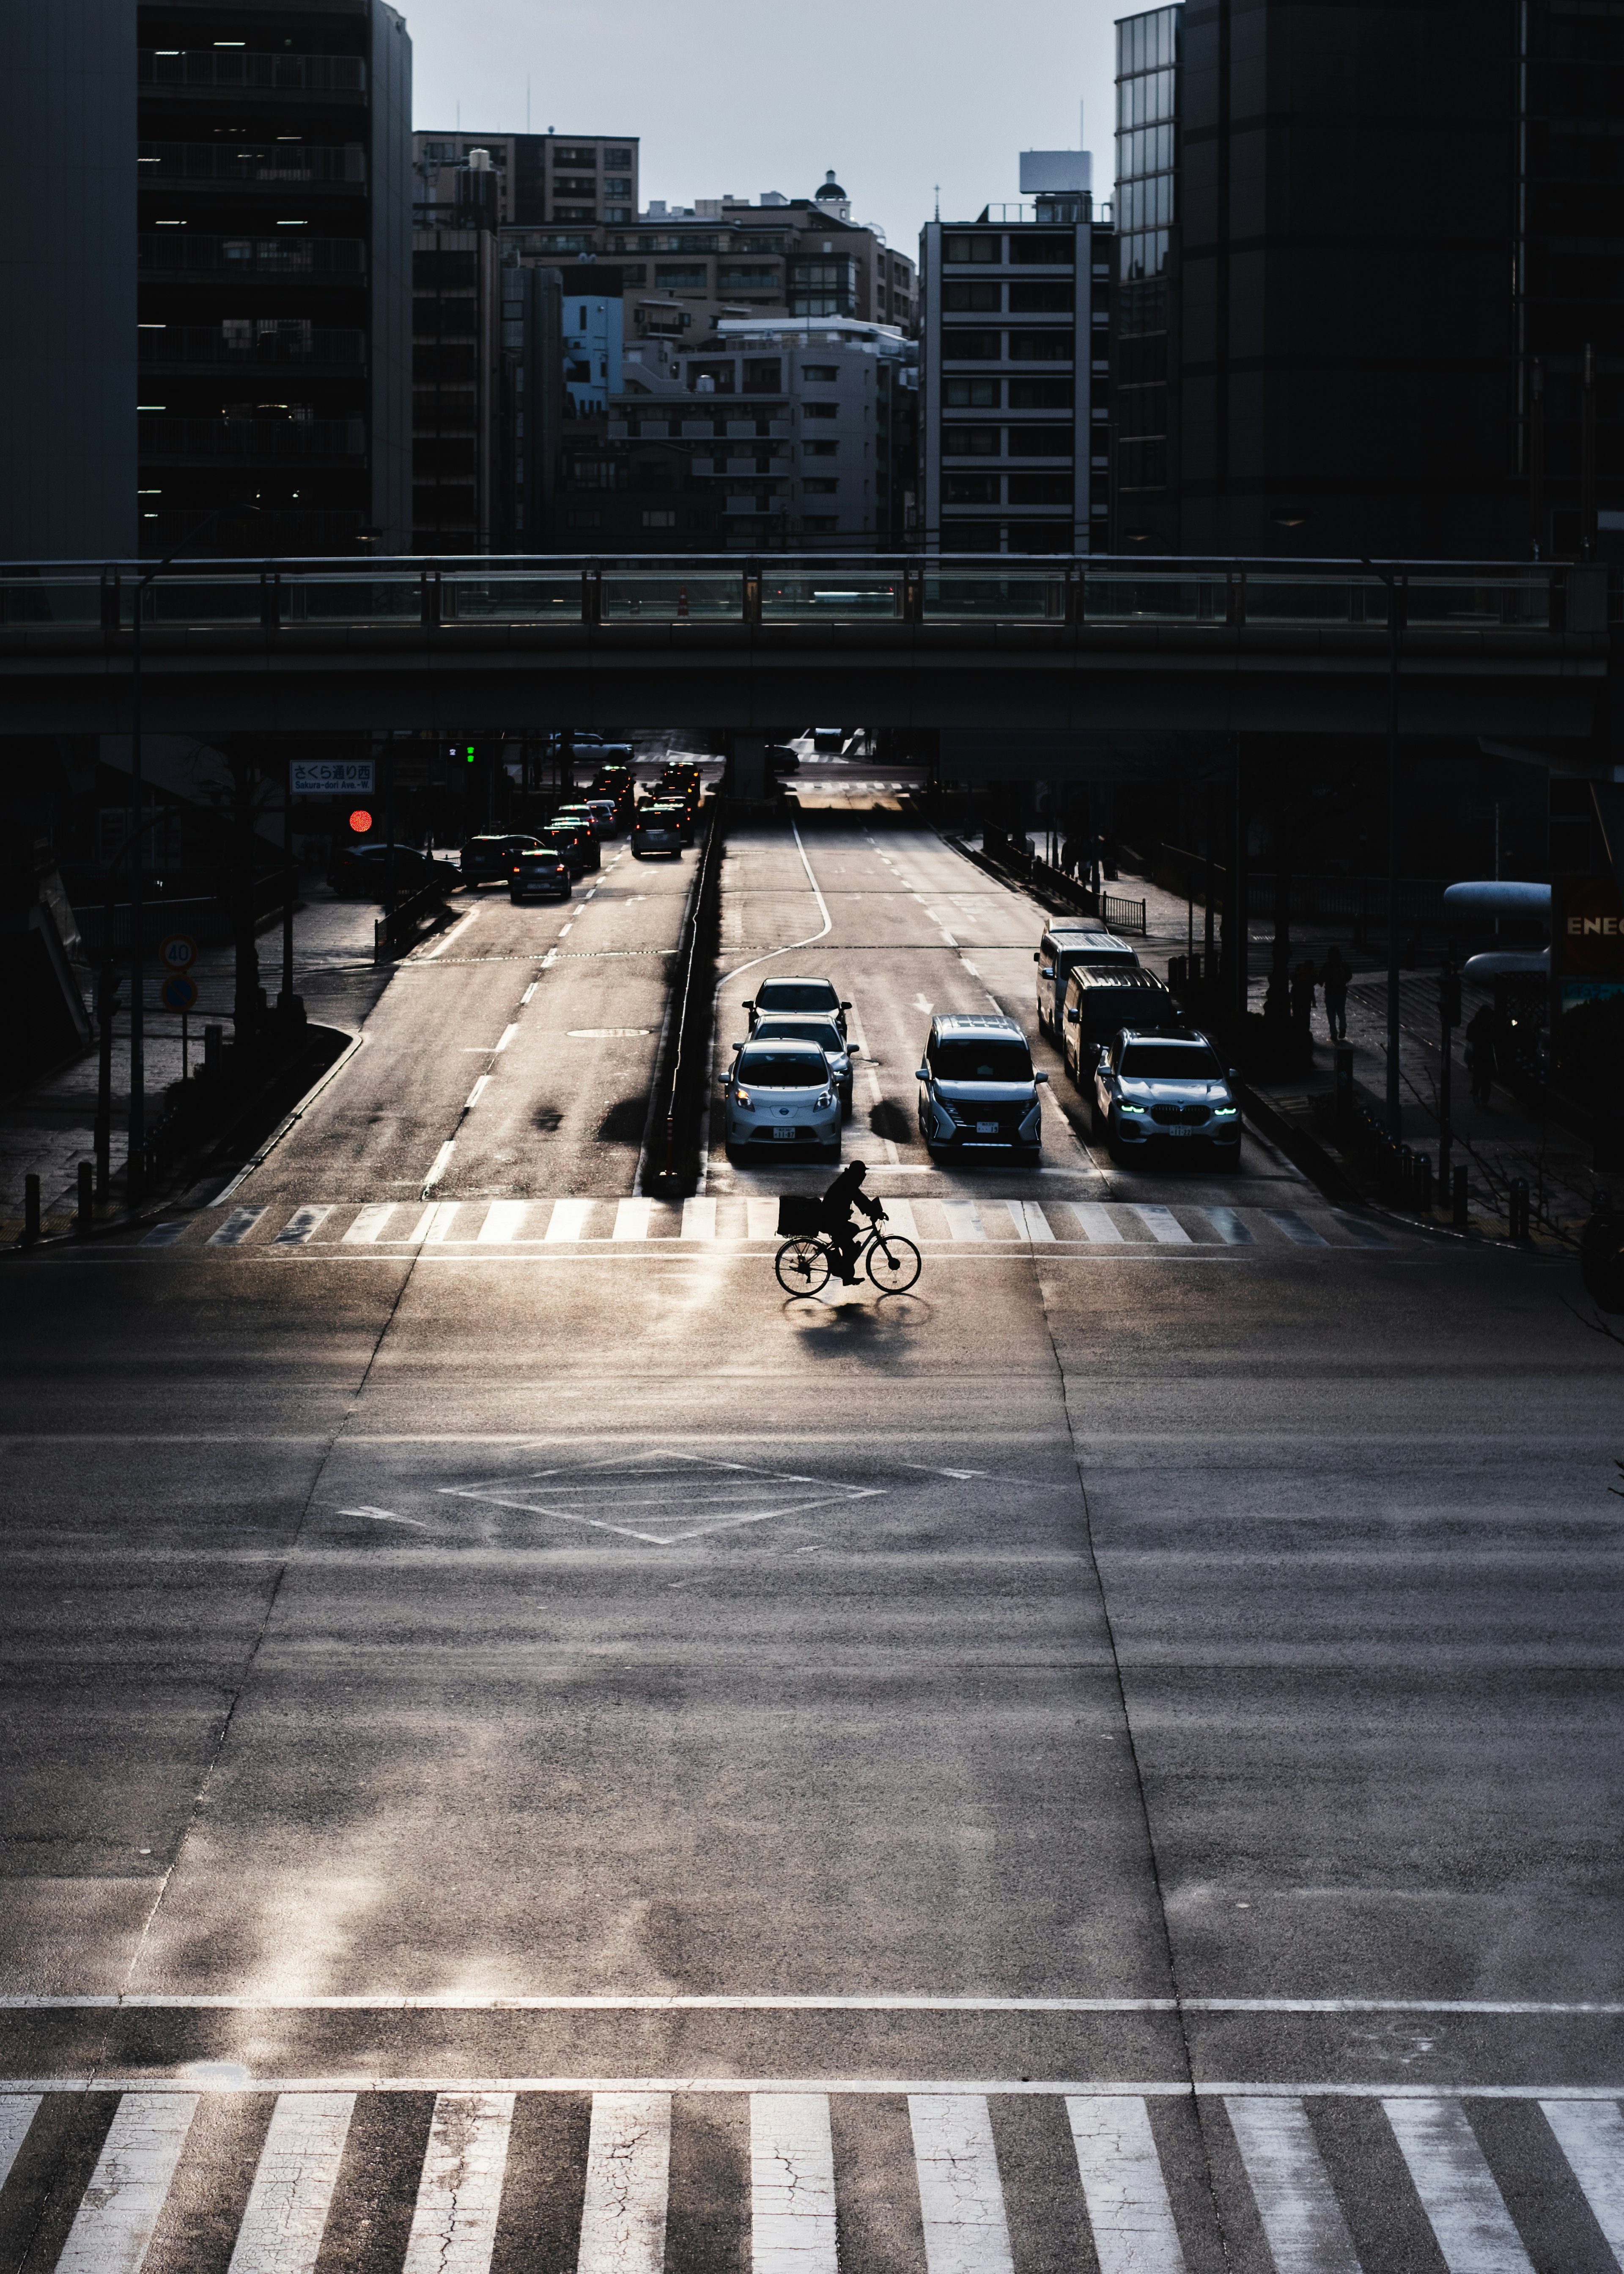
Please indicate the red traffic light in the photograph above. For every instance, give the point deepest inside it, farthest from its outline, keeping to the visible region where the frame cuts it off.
(360, 821)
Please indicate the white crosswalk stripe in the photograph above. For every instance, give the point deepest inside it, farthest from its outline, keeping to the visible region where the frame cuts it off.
(568, 1219)
(302, 1226)
(1096, 1220)
(371, 1222)
(1117, 2157)
(1161, 1224)
(236, 1227)
(1291, 1224)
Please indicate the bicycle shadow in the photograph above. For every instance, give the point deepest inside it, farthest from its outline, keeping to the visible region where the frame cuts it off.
(867, 1322)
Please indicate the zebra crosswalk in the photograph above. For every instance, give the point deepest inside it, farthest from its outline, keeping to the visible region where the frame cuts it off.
(797, 2169)
(485, 1225)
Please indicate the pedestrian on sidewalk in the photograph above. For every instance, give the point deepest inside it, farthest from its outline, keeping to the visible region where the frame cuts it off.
(1334, 977)
(1305, 979)
(1480, 1052)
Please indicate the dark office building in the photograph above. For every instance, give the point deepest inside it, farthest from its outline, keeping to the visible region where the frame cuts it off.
(275, 277)
(1363, 249)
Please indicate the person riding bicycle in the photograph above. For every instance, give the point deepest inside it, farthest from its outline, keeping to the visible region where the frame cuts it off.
(837, 1202)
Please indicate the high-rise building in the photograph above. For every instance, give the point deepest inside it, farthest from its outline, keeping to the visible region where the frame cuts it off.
(462, 474)
(1014, 379)
(540, 180)
(274, 267)
(1144, 376)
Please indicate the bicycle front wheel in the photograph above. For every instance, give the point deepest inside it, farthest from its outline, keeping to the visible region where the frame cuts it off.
(893, 1263)
(802, 1266)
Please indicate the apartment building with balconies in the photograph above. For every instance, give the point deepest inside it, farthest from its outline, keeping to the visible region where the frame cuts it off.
(274, 276)
(538, 181)
(1014, 379)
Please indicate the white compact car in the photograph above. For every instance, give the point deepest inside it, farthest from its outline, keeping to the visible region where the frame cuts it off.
(779, 1093)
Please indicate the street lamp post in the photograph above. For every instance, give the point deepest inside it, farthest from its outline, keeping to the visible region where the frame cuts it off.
(1390, 578)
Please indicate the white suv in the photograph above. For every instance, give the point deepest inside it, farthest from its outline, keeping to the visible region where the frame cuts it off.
(1148, 1088)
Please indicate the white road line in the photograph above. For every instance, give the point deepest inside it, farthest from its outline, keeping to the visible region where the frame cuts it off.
(661, 2002)
(293, 2185)
(503, 1220)
(302, 1226)
(1366, 1234)
(368, 1226)
(507, 1035)
(163, 1235)
(699, 1219)
(1161, 1224)
(960, 2199)
(528, 992)
(1126, 2195)
(1029, 1220)
(1096, 1219)
(115, 2220)
(441, 1219)
(568, 1219)
(1001, 2087)
(235, 1228)
(475, 1094)
(1467, 2212)
(16, 2113)
(455, 932)
(900, 1215)
(1591, 2134)
(1227, 1224)
(420, 1229)
(1287, 1220)
(627, 2170)
(437, 1167)
(631, 1219)
(1295, 2200)
(460, 2193)
(760, 1219)
(792, 2184)
(962, 1220)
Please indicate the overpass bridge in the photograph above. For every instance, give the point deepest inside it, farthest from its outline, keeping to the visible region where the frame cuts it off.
(974, 645)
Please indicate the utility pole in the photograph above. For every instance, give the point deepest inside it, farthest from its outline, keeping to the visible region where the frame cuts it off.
(1390, 578)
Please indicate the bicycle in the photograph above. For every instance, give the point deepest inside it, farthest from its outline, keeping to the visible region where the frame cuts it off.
(803, 1264)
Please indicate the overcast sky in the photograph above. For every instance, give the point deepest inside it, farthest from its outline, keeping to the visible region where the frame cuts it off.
(896, 97)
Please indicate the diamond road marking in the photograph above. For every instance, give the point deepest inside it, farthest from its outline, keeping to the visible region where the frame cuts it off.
(625, 1486)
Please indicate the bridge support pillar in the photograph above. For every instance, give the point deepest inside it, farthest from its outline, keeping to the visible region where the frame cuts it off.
(746, 767)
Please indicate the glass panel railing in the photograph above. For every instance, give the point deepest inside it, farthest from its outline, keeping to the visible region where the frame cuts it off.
(1300, 600)
(510, 599)
(341, 597)
(175, 601)
(835, 593)
(50, 600)
(1154, 599)
(1514, 603)
(1030, 597)
(672, 599)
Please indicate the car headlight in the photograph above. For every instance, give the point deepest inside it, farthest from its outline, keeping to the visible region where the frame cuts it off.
(1226, 1112)
(742, 1097)
(827, 1099)
(1127, 1105)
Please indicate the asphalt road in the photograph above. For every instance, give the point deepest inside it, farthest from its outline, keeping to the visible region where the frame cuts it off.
(527, 1748)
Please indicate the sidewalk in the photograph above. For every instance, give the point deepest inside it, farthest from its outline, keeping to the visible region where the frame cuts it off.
(1496, 1143)
(48, 1129)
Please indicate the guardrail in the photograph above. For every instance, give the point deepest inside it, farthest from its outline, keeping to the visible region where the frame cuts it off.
(397, 927)
(682, 1080)
(1466, 600)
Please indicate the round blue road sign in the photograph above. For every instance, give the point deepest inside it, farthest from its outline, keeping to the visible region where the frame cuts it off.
(178, 993)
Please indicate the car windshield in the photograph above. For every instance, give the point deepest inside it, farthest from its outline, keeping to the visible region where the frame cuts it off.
(782, 1069)
(1171, 1062)
(796, 995)
(1107, 1008)
(826, 1036)
(991, 1058)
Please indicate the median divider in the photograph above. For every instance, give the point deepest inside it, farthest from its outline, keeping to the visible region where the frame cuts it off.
(399, 928)
(682, 1078)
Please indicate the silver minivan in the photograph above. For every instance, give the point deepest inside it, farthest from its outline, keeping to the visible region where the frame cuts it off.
(1057, 954)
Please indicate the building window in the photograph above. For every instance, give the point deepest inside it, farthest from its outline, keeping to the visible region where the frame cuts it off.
(822, 521)
(820, 410)
(1043, 252)
(971, 248)
(567, 186)
(819, 450)
(980, 296)
(764, 375)
(1040, 442)
(575, 156)
(659, 518)
(1055, 299)
(572, 213)
(972, 346)
(817, 485)
(617, 157)
(612, 188)
(1041, 394)
(970, 489)
(1039, 489)
(691, 276)
(746, 280)
(970, 394)
(1040, 347)
(971, 441)
(592, 519)
(821, 374)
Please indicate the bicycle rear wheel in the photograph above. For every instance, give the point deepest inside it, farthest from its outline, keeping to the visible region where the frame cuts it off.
(802, 1266)
(893, 1263)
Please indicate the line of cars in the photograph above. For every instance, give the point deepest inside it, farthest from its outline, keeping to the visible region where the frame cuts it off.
(790, 1082)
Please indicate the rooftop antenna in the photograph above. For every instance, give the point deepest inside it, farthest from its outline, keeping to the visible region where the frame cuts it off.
(938, 200)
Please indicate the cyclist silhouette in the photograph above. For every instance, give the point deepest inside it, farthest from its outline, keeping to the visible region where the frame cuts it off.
(843, 1195)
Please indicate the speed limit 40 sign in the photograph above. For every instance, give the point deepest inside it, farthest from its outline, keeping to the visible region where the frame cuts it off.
(177, 952)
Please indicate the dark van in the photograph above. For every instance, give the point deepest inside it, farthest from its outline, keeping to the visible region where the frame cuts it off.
(1099, 1000)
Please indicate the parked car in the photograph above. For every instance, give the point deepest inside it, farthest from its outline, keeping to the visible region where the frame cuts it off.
(779, 1093)
(487, 860)
(578, 847)
(1099, 1002)
(781, 759)
(363, 870)
(541, 873)
(978, 1089)
(807, 996)
(1154, 1089)
(821, 1029)
(656, 832)
(1057, 954)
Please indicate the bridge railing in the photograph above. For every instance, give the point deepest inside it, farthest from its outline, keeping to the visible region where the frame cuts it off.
(1086, 594)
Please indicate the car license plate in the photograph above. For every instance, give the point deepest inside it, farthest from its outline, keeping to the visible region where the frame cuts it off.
(986, 1128)
(783, 1136)
(1178, 1129)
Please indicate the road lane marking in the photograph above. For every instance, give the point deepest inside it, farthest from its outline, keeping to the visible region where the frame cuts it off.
(762, 1219)
(631, 1219)
(1122, 2185)
(1366, 1234)
(962, 1220)
(368, 1226)
(301, 1226)
(1302, 2218)
(1096, 1220)
(293, 2183)
(900, 1217)
(115, 2221)
(528, 992)
(506, 1034)
(385, 1515)
(1031, 1221)
(235, 1228)
(163, 1235)
(16, 2113)
(460, 2191)
(1591, 2134)
(420, 1229)
(628, 2173)
(437, 1167)
(455, 932)
(503, 1220)
(1161, 1223)
(1227, 1224)
(792, 2184)
(568, 1219)
(1287, 1220)
(960, 2196)
(1467, 2212)
(440, 1219)
(699, 1219)
(477, 1092)
(862, 2002)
